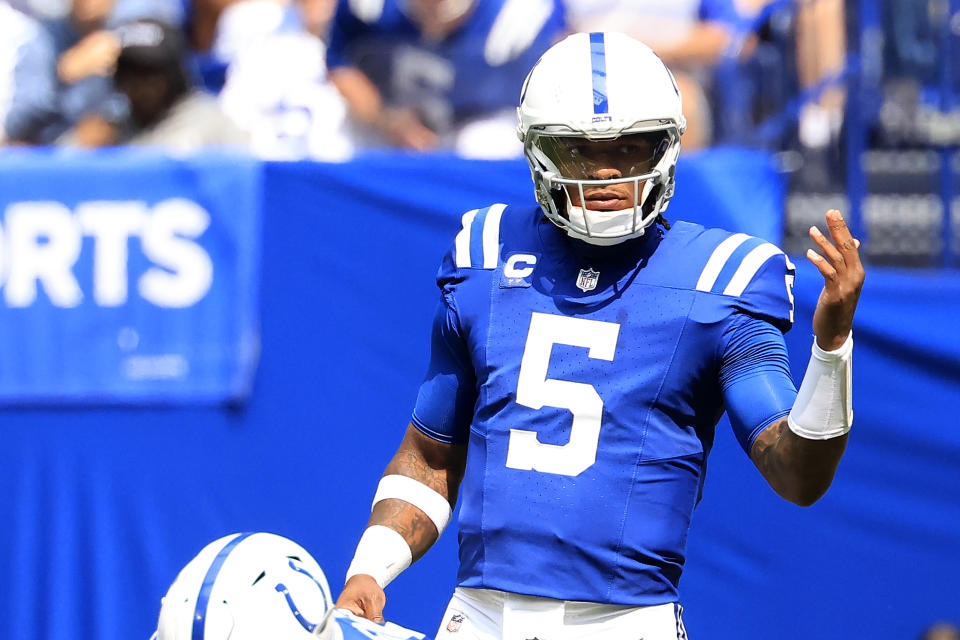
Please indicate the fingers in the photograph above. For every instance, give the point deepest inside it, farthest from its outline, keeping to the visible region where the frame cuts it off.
(363, 597)
(827, 249)
(843, 252)
(352, 608)
(839, 263)
(350, 604)
(842, 238)
(838, 227)
(826, 269)
(373, 610)
(364, 608)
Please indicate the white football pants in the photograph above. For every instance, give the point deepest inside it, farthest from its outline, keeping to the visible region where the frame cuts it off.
(487, 614)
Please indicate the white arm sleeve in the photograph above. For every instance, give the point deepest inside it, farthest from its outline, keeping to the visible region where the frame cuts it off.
(824, 405)
(382, 553)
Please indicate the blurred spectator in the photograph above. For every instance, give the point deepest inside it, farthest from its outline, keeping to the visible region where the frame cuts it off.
(203, 19)
(164, 110)
(62, 77)
(439, 74)
(245, 23)
(277, 87)
(689, 35)
(240, 25)
(911, 38)
(942, 631)
(821, 54)
(317, 15)
(16, 30)
(751, 8)
(814, 31)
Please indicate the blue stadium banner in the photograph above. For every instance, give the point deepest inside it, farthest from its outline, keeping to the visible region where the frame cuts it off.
(128, 278)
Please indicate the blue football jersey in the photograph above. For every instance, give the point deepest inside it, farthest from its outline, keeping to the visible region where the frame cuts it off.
(587, 382)
(477, 69)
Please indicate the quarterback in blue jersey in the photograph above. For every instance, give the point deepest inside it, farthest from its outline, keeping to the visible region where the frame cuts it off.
(582, 353)
(428, 74)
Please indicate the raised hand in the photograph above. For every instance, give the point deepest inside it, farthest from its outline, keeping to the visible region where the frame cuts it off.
(839, 263)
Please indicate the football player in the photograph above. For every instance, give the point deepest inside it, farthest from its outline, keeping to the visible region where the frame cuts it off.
(582, 353)
(260, 586)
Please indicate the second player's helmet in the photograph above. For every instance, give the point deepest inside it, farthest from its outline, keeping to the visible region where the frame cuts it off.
(601, 89)
(249, 586)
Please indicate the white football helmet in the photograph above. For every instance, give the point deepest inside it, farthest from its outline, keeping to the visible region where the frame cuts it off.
(247, 586)
(601, 101)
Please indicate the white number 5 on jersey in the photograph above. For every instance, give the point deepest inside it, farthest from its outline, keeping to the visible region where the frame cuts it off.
(535, 390)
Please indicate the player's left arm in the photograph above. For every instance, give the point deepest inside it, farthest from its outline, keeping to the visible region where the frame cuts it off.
(798, 469)
(798, 454)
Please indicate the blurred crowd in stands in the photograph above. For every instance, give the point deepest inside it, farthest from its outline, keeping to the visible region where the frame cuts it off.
(324, 79)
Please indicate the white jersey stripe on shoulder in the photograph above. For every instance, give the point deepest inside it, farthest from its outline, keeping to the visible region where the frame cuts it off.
(491, 236)
(749, 267)
(718, 258)
(461, 245)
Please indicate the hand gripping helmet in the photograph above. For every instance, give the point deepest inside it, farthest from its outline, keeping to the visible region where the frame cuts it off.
(601, 101)
(246, 586)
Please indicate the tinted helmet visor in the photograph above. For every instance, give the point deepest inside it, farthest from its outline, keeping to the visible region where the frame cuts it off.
(579, 158)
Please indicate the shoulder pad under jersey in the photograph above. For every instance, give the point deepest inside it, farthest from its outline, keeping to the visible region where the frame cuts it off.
(755, 273)
(476, 246)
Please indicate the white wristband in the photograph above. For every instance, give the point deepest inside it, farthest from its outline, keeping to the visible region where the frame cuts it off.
(824, 405)
(382, 554)
(418, 494)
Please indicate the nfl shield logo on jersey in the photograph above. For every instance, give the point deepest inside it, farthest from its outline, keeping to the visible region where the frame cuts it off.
(455, 621)
(587, 280)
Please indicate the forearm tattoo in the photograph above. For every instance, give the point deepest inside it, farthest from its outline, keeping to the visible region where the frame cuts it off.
(798, 469)
(434, 464)
(414, 525)
(767, 452)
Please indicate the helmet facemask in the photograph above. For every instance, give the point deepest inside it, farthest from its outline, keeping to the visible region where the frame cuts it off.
(579, 176)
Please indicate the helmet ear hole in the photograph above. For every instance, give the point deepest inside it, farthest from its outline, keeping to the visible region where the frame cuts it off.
(662, 148)
(559, 197)
(653, 199)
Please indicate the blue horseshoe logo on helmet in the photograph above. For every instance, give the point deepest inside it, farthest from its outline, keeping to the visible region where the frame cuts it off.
(281, 588)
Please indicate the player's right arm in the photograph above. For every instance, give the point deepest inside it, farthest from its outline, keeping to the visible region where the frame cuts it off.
(438, 467)
(418, 490)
